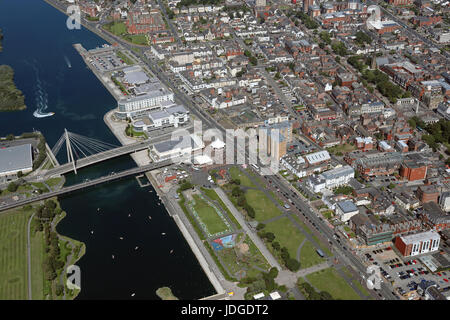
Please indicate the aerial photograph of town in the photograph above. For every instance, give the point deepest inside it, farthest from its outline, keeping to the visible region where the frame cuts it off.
(236, 151)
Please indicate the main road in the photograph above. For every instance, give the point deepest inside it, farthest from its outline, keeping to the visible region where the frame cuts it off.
(343, 254)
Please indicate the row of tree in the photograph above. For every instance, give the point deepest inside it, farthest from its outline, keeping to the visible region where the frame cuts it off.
(239, 195)
(54, 261)
(311, 294)
(289, 262)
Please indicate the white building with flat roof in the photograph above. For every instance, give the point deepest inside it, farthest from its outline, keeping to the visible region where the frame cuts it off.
(15, 159)
(331, 179)
(176, 148)
(346, 209)
(317, 157)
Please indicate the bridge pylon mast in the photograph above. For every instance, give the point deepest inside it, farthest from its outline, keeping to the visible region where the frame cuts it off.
(69, 151)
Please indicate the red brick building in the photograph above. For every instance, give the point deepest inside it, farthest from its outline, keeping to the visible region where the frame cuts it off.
(400, 2)
(418, 243)
(427, 193)
(413, 171)
(141, 22)
(426, 21)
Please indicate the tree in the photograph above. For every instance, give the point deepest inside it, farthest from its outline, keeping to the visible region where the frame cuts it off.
(10, 137)
(12, 187)
(292, 264)
(269, 236)
(276, 246)
(324, 295)
(236, 191)
(59, 289)
(50, 204)
(260, 226)
(273, 272)
(19, 174)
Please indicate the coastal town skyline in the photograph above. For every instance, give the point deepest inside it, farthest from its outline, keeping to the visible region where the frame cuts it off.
(284, 150)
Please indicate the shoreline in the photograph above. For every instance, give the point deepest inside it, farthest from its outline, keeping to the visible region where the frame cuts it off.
(70, 259)
(137, 157)
(170, 206)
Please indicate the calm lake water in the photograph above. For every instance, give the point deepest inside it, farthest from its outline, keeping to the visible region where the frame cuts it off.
(50, 73)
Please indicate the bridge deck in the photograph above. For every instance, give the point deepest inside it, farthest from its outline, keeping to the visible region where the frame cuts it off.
(89, 183)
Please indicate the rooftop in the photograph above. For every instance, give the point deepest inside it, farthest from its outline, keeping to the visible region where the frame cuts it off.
(16, 158)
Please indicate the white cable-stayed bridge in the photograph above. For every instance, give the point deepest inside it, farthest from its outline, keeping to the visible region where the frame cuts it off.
(83, 151)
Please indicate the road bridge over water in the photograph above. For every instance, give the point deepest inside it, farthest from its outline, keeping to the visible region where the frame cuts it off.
(89, 183)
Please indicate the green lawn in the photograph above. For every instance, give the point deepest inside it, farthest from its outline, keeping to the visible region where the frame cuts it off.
(361, 288)
(329, 280)
(53, 182)
(117, 28)
(341, 148)
(37, 272)
(309, 256)
(264, 207)
(209, 216)
(286, 234)
(245, 181)
(137, 39)
(210, 193)
(13, 254)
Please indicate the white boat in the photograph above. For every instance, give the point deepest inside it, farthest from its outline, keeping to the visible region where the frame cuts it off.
(163, 233)
(132, 294)
(113, 256)
(136, 248)
(38, 114)
(92, 231)
(121, 238)
(68, 62)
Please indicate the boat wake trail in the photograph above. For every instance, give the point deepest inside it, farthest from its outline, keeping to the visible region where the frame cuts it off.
(41, 98)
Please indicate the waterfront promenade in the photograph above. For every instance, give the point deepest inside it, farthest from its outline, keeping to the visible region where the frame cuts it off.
(215, 276)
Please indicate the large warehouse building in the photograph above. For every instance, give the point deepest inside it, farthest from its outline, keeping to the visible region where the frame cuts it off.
(15, 159)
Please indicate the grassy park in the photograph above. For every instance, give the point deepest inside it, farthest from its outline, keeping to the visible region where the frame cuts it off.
(120, 29)
(243, 262)
(13, 254)
(341, 149)
(211, 194)
(208, 215)
(329, 280)
(237, 174)
(309, 256)
(48, 252)
(286, 234)
(264, 207)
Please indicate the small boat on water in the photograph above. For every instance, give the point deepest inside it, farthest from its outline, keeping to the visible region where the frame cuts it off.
(136, 248)
(121, 238)
(113, 256)
(38, 114)
(150, 217)
(132, 294)
(163, 233)
(171, 251)
(92, 231)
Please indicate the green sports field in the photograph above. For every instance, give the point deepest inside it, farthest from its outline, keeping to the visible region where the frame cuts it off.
(13, 254)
